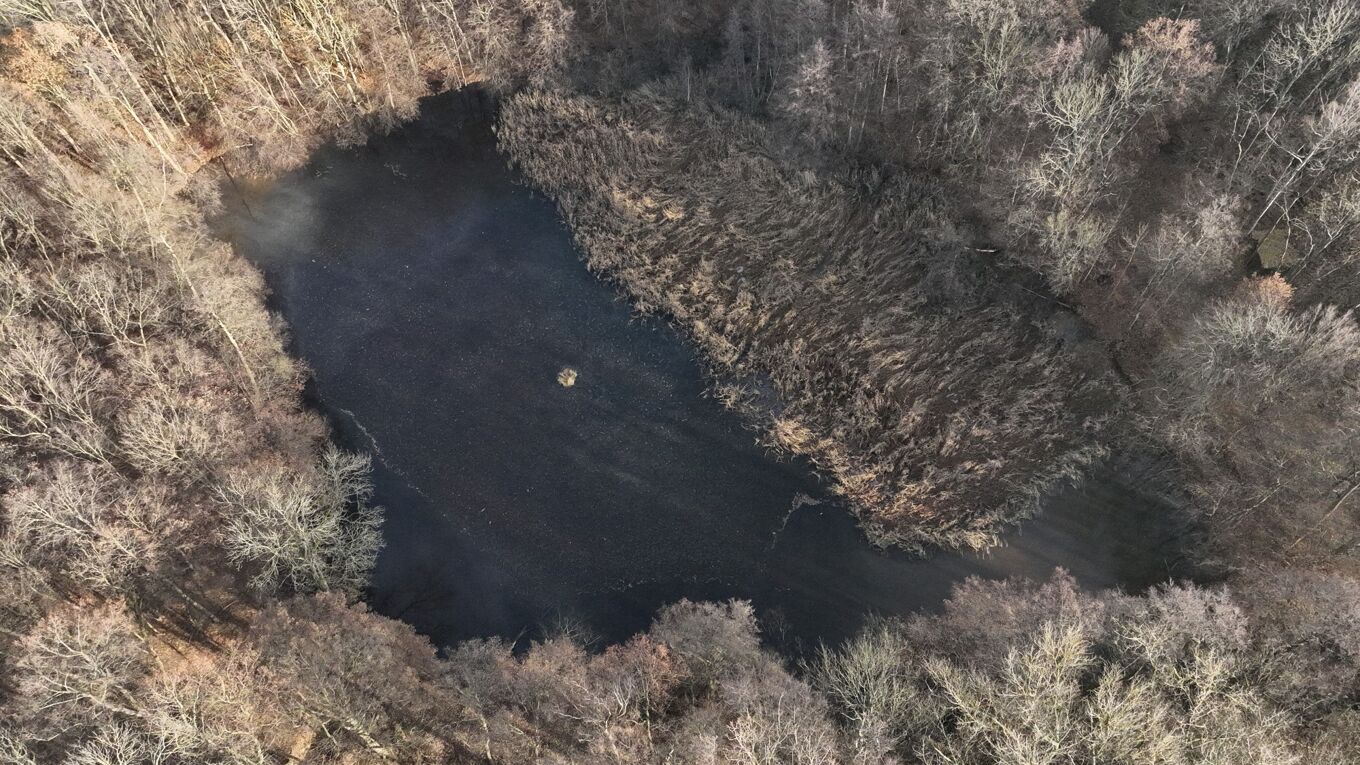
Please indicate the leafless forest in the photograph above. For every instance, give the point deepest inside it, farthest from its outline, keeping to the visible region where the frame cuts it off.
(953, 251)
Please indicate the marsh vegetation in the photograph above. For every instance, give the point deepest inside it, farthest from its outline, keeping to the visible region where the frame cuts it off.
(436, 301)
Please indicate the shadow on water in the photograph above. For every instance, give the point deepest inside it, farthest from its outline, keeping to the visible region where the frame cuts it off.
(436, 299)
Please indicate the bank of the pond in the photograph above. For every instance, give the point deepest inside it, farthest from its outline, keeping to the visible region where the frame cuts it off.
(437, 301)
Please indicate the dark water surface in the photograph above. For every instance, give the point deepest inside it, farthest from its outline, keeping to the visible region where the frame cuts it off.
(436, 299)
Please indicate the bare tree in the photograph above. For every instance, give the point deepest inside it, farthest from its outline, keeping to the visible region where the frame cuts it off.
(1173, 676)
(776, 719)
(876, 690)
(213, 712)
(1322, 251)
(81, 521)
(111, 303)
(51, 395)
(1263, 402)
(80, 667)
(1100, 123)
(340, 666)
(119, 744)
(520, 43)
(808, 100)
(713, 639)
(303, 531)
(14, 752)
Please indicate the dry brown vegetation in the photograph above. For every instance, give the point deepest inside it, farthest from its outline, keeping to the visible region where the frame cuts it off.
(899, 363)
(1013, 673)
(1009, 673)
(842, 203)
(864, 214)
(149, 416)
(160, 480)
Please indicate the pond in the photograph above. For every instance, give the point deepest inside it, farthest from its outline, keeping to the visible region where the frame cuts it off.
(438, 300)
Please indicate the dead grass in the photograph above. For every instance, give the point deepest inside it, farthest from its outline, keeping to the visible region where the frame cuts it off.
(940, 411)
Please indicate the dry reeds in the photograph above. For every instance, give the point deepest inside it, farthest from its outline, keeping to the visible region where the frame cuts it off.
(941, 416)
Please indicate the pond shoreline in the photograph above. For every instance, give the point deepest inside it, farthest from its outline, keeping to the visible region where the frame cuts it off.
(437, 299)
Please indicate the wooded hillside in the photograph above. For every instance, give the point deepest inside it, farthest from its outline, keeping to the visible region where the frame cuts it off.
(951, 250)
